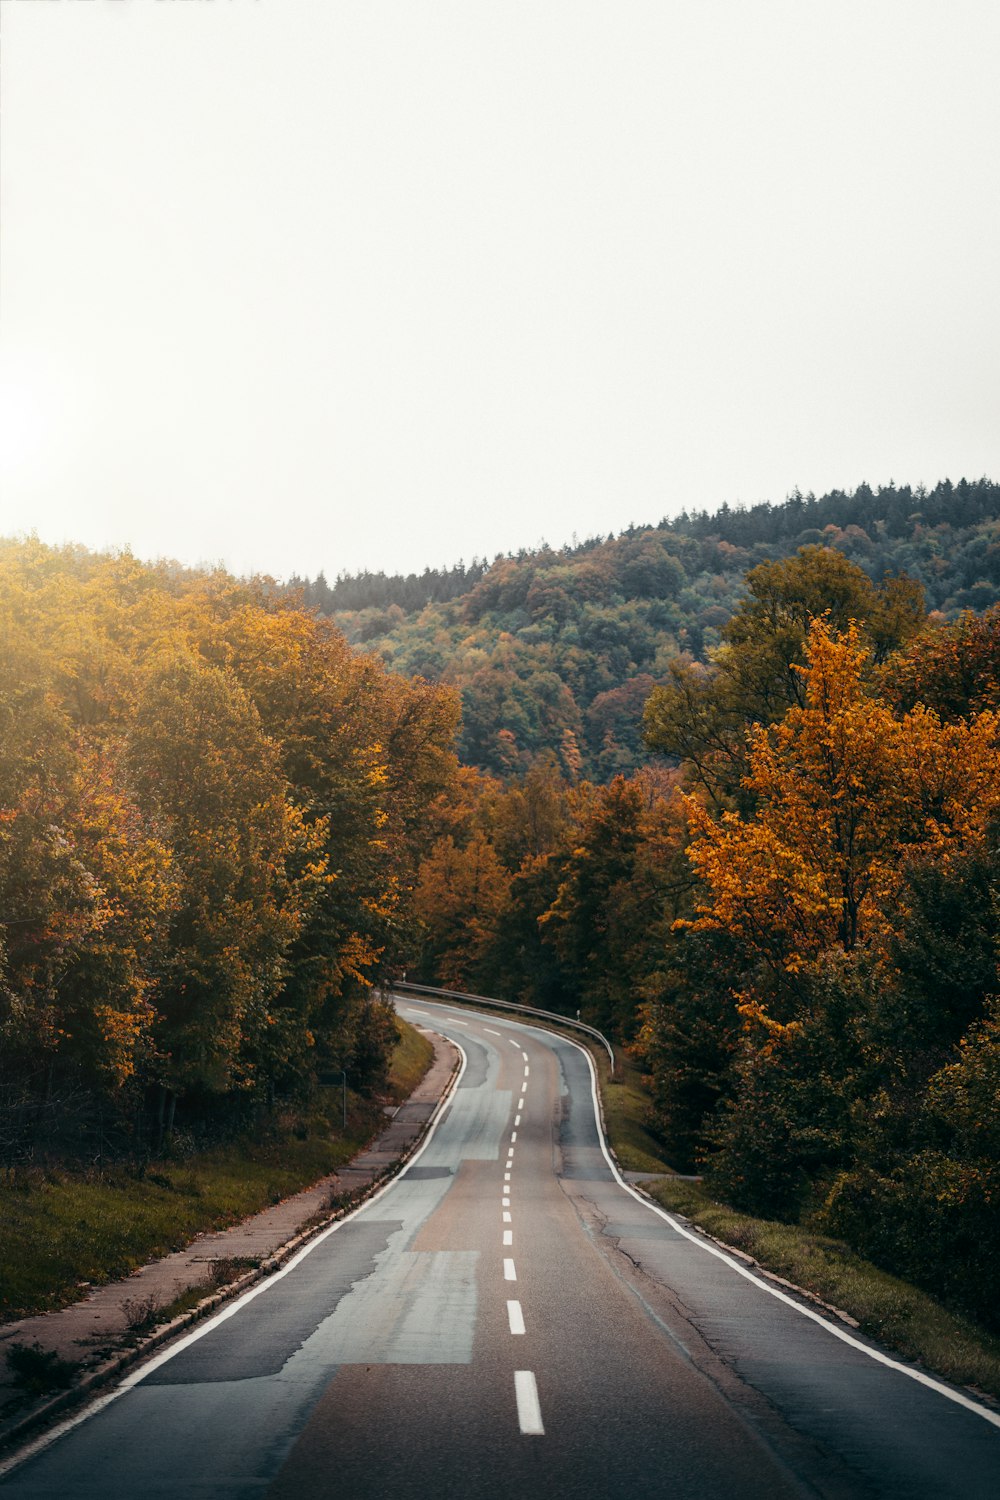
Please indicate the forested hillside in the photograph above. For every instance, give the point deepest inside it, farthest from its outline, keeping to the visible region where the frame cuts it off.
(558, 650)
(211, 812)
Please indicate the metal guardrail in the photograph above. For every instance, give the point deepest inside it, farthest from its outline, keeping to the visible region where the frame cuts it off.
(527, 1010)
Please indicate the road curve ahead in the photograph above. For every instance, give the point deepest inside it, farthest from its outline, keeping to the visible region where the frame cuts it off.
(508, 1319)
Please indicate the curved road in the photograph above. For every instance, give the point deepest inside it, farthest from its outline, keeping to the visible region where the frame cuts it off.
(509, 1319)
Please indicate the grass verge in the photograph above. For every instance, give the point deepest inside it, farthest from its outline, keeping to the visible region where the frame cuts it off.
(411, 1059)
(625, 1103)
(64, 1231)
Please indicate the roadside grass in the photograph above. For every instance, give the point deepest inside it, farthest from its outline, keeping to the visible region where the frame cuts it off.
(626, 1103)
(63, 1231)
(411, 1059)
(885, 1308)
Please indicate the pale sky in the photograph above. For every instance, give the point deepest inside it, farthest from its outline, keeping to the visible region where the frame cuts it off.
(304, 284)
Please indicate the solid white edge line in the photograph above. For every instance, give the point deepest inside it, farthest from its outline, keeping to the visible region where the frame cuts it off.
(134, 1377)
(515, 1317)
(529, 1411)
(807, 1312)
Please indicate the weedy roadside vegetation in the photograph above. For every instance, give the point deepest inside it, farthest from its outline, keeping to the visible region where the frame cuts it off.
(38, 1371)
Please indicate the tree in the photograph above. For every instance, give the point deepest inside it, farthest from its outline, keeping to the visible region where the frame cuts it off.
(844, 791)
(459, 899)
(702, 716)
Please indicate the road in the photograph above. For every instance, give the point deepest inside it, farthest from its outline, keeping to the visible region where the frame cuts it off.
(509, 1319)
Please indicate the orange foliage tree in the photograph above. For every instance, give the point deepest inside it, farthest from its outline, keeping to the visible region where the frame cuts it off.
(845, 792)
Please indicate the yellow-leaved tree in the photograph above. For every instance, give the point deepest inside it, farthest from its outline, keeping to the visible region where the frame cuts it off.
(845, 792)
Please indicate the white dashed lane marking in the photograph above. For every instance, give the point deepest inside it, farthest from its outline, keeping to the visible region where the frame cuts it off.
(508, 1236)
(515, 1317)
(509, 1274)
(529, 1411)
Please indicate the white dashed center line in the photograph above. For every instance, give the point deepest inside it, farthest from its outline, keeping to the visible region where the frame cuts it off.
(508, 1236)
(524, 1055)
(506, 1177)
(515, 1317)
(509, 1274)
(506, 1215)
(505, 1203)
(513, 1043)
(529, 1412)
(490, 1032)
(517, 1119)
(513, 1136)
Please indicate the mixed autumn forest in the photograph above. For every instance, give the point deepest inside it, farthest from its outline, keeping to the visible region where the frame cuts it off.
(729, 786)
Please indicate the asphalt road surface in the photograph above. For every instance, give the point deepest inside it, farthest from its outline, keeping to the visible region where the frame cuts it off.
(509, 1319)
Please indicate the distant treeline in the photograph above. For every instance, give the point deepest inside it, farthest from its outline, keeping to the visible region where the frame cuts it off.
(889, 509)
(367, 590)
(896, 509)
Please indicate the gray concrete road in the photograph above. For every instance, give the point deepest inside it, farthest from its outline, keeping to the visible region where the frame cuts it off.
(509, 1319)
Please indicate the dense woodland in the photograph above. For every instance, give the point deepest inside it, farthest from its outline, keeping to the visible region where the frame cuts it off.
(729, 787)
(211, 812)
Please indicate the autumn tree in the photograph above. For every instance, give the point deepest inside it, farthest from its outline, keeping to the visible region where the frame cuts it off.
(460, 899)
(703, 715)
(844, 792)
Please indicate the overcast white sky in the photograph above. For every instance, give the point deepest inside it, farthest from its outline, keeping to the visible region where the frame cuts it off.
(303, 284)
